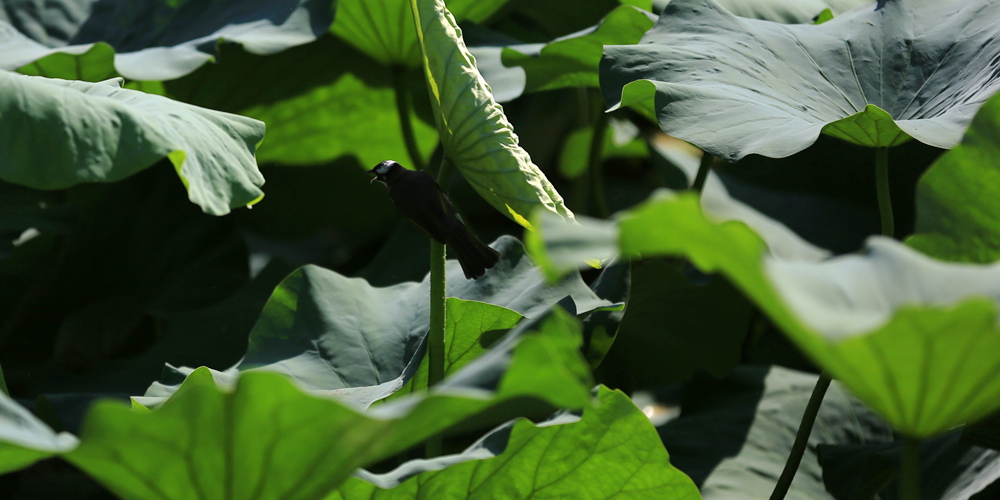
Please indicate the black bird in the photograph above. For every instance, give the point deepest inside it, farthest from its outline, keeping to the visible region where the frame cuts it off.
(418, 196)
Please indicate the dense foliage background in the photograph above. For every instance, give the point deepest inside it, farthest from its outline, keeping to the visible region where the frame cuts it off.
(684, 201)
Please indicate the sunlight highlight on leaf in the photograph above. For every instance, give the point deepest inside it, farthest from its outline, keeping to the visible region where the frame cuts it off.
(475, 134)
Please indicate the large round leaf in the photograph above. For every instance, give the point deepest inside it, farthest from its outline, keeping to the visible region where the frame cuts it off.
(267, 439)
(57, 133)
(331, 332)
(801, 11)
(915, 338)
(874, 76)
(626, 460)
(154, 40)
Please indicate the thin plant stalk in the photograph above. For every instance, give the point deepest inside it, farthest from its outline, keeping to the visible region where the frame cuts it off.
(402, 98)
(909, 473)
(435, 338)
(703, 169)
(801, 438)
(438, 313)
(3, 383)
(882, 189)
(812, 408)
(595, 155)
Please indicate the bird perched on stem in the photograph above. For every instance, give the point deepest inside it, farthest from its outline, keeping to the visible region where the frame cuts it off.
(418, 196)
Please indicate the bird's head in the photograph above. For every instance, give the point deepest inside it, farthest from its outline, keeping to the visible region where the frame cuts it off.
(386, 170)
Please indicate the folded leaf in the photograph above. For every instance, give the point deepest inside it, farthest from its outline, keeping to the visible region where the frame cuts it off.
(24, 439)
(475, 134)
(79, 39)
(58, 133)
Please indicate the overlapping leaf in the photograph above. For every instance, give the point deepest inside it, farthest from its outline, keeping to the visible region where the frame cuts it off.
(333, 333)
(627, 461)
(267, 439)
(913, 337)
(572, 61)
(475, 134)
(384, 30)
(734, 435)
(874, 76)
(958, 217)
(153, 40)
(24, 439)
(58, 133)
(780, 11)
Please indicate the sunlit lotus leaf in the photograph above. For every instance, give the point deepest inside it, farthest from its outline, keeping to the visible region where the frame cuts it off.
(735, 86)
(59, 133)
(148, 40)
(915, 338)
(626, 461)
(474, 131)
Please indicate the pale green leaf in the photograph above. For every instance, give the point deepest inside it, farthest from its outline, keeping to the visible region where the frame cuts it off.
(57, 133)
(475, 134)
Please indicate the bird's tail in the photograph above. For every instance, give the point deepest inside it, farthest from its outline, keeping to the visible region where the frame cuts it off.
(474, 255)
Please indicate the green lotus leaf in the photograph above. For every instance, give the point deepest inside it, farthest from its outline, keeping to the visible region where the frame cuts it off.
(475, 134)
(872, 127)
(158, 40)
(736, 86)
(24, 439)
(734, 434)
(914, 338)
(470, 329)
(268, 439)
(649, 351)
(627, 461)
(324, 112)
(59, 133)
(573, 60)
(384, 30)
(333, 333)
(958, 216)
(803, 11)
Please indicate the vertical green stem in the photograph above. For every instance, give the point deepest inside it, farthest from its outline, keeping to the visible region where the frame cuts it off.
(3, 383)
(703, 169)
(882, 189)
(438, 313)
(909, 473)
(594, 166)
(398, 77)
(435, 338)
(801, 438)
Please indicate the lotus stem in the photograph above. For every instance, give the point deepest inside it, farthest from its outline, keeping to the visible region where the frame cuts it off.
(438, 313)
(703, 169)
(594, 166)
(801, 438)
(882, 189)
(398, 77)
(438, 304)
(909, 471)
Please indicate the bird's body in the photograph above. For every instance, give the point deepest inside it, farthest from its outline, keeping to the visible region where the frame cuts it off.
(418, 196)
